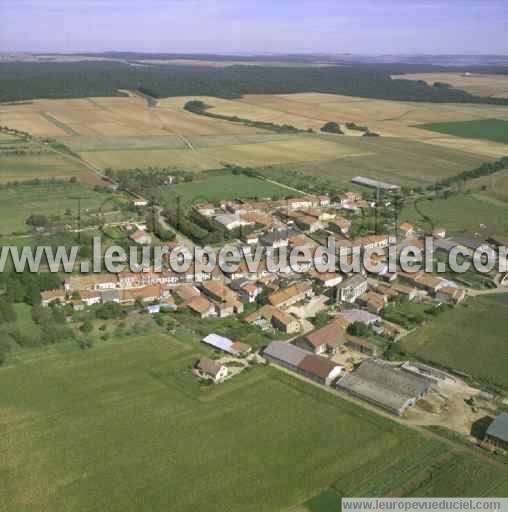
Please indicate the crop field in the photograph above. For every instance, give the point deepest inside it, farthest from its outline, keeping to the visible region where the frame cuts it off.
(470, 213)
(395, 160)
(215, 188)
(125, 426)
(495, 130)
(479, 84)
(467, 338)
(18, 203)
(43, 166)
(213, 152)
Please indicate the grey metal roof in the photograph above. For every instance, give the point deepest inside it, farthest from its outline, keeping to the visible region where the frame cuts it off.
(285, 352)
(385, 384)
(499, 427)
(219, 342)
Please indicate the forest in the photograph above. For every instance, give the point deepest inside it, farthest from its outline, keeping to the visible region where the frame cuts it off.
(21, 81)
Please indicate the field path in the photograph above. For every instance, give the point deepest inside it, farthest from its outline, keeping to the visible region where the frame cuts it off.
(273, 182)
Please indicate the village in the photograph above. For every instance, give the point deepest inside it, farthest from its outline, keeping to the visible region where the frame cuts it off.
(333, 329)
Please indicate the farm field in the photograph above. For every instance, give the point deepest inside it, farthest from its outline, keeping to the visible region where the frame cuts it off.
(479, 84)
(495, 186)
(467, 338)
(18, 203)
(124, 426)
(43, 166)
(211, 154)
(470, 213)
(395, 160)
(495, 130)
(226, 186)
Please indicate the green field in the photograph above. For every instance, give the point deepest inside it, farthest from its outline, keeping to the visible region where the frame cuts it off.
(43, 166)
(461, 213)
(495, 130)
(227, 186)
(394, 160)
(124, 426)
(18, 203)
(468, 338)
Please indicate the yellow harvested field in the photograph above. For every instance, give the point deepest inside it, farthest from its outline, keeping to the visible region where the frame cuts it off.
(480, 84)
(272, 151)
(125, 116)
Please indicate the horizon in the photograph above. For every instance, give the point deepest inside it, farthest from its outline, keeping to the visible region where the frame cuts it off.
(223, 27)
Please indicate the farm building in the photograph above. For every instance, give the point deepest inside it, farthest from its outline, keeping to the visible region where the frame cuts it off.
(234, 348)
(50, 296)
(497, 433)
(385, 385)
(293, 358)
(270, 316)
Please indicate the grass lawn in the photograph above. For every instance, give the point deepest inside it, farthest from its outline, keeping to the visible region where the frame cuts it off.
(227, 186)
(18, 203)
(468, 338)
(460, 213)
(495, 130)
(124, 426)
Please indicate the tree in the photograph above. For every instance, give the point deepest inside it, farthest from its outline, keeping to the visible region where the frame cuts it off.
(332, 127)
(7, 312)
(86, 327)
(358, 329)
(37, 220)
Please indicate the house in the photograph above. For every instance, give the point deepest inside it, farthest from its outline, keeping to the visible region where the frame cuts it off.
(202, 307)
(226, 301)
(451, 295)
(349, 290)
(232, 221)
(90, 282)
(308, 223)
(49, 296)
(327, 279)
(141, 237)
(206, 209)
(373, 302)
(323, 201)
(235, 348)
(251, 239)
(497, 432)
(300, 361)
(325, 340)
(373, 242)
(90, 297)
(359, 315)
(407, 292)
(319, 369)
(385, 385)
(291, 295)
(140, 202)
(341, 224)
(110, 295)
(271, 316)
(247, 290)
(210, 369)
(428, 282)
(144, 294)
(439, 233)
(299, 203)
(186, 292)
(406, 229)
(276, 239)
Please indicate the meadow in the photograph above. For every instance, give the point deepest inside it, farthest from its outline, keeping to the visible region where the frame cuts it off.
(19, 202)
(215, 187)
(124, 426)
(469, 213)
(495, 130)
(467, 338)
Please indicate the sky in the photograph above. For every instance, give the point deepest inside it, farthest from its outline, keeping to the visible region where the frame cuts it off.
(256, 26)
